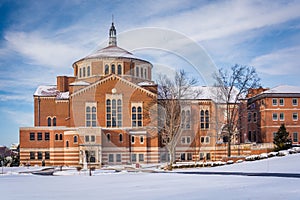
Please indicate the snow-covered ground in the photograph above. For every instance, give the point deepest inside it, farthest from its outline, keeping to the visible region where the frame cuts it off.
(124, 185)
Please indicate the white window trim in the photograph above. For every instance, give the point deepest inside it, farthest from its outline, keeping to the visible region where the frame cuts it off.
(296, 102)
(276, 102)
(280, 117)
(282, 100)
(276, 117)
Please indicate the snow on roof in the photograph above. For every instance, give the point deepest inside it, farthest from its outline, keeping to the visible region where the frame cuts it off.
(213, 93)
(50, 91)
(46, 90)
(145, 83)
(112, 51)
(80, 83)
(283, 89)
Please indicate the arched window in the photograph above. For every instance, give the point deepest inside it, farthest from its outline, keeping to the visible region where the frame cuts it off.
(49, 121)
(80, 73)
(75, 139)
(94, 118)
(145, 71)
(202, 119)
(84, 72)
(113, 69)
(114, 112)
(140, 116)
(108, 137)
(56, 136)
(182, 119)
(60, 137)
(106, 69)
(133, 116)
(142, 72)
(120, 137)
(119, 69)
(88, 71)
(188, 119)
(88, 116)
(67, 143)
(206, 119)
(137, 72)
(54, 121)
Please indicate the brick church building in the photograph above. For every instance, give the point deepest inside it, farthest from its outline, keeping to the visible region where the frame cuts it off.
(107, 113)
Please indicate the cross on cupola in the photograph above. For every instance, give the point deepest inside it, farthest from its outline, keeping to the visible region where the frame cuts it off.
(112, 35)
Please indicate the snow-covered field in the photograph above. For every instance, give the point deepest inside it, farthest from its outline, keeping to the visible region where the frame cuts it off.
(125, 185)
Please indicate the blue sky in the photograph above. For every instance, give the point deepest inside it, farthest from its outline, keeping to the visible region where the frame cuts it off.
(41, 39)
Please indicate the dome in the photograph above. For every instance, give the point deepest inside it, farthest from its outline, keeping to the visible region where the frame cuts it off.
(111, 52)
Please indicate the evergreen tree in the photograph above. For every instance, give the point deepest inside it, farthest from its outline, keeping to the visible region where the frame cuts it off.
(281, 139)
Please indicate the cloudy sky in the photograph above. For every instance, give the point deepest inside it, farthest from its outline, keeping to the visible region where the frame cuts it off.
(41, 39)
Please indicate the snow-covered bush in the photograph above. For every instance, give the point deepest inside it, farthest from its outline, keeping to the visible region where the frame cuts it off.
(272, 154)
(263, 156)
(229, 162)
(239, 161)
(283, 153)
(297, 149)
(292, 151)
(252, 158)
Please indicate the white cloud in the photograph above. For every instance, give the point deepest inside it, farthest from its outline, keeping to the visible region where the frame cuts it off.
(43, 51)
(280, 62)
(23, 119)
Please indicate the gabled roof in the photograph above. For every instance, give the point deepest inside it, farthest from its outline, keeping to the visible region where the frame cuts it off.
(114, 77)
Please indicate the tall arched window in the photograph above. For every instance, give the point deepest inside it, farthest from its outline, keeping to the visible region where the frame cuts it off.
(56, 136)
(88, 71)
(60, 137)
(119, 112)
(54, 121)
(119, 69)
(94, 118)
(88, 116)
(188, 119)
(137, 71)
(84, 72)
(49, 121)
(108, 113)
(114, 112)
(182, 119)
(67, 143)
(142, 72)
(140, 117)
(113, 69)
(202, 119)
(80, 73)
(106, 69)
(206, 119)
(133, 116)
(108, 137)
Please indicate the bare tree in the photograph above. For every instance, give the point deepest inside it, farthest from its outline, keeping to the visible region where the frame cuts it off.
(233, 86)
(171, 93)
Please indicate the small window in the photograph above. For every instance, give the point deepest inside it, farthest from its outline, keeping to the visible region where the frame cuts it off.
(182, 140)
(202, 139)
(111, 158)
(295, 116)
(32, 155)
(75, 139)
(189, 156)
(80, 73)
(88, 71)
(141, 157)
(60, 137)
(47, 155)
(40, 136)
(281, 116)
(40, 155)
(201, 156)
(137, 72)
(119, 69)
(207, 139)
(295, 102)
(275, 117)
(208, 156)
(281, 102)
(142, 139)
(249, 117)
(54, 121)
(113, 69)
(56, 136)
(274, 102)
(93, 139)
(32, 136)
(295, 137)
(47, 136)
(118, 158)
(188, 140)
(49, 121)
(132, 139)
(182, 156)
(254, 117)
(87, 138)
(108, 137)
(106, 69)
(120, 137)
(67, 143)
(274, 135)
(133, 157)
